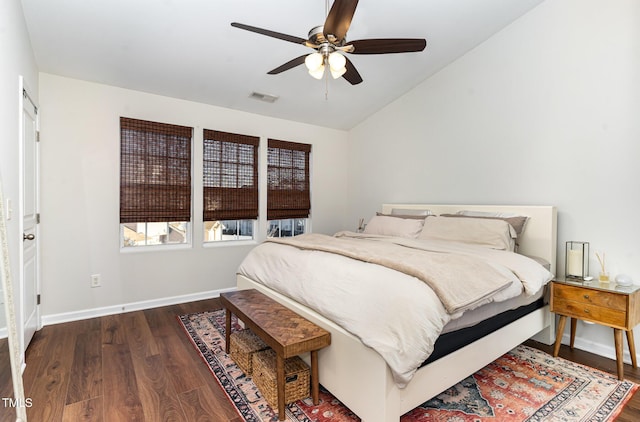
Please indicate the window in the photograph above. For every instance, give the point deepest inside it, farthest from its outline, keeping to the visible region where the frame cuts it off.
(230, 179)
(155, 183)
(287, 227)
(288, 193)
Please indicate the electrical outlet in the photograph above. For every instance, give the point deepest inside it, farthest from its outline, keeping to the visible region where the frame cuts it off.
(95, 280)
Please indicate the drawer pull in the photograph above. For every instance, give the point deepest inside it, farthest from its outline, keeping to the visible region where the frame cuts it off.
(586, 297)
(586, 311)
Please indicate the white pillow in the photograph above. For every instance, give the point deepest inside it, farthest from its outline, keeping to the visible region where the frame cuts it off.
(386, 225)
(495, 234)
(516, 220)
(410, 211)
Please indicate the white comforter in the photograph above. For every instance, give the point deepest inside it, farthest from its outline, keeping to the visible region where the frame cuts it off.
(394, 313)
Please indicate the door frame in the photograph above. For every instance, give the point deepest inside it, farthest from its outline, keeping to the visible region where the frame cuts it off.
(27, 100)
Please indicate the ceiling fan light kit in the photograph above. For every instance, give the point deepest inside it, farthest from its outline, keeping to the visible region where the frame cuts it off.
(316, 63)
(329, 42)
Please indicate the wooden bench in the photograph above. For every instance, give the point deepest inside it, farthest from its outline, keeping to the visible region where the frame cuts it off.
(286, 332)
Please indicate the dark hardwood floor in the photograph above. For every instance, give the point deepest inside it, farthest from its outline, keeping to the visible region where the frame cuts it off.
(140, 366)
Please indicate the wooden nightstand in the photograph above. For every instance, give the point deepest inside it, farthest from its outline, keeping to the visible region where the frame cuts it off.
(606, 304)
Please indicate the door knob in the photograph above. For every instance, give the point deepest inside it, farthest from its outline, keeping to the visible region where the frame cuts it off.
(29, 236)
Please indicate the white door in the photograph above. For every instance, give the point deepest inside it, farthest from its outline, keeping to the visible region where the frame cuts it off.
(28, 318)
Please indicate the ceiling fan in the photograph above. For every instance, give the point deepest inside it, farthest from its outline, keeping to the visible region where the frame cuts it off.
(329, 41)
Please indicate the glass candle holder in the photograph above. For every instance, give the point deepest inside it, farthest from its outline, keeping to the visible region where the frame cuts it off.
(577, 260)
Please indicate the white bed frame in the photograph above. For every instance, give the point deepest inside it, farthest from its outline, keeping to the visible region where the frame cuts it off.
(360, 378)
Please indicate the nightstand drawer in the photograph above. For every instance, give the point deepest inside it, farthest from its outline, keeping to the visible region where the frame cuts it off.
(590, 312)
(609, 300)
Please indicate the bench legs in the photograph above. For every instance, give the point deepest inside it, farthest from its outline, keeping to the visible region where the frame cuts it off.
(315, 384)
(280, 378)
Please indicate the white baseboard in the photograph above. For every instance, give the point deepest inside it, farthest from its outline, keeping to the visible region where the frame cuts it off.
(129, 307)
(605, 350)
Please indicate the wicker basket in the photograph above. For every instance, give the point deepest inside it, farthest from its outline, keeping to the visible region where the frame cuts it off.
(296, 374)
(242, 345)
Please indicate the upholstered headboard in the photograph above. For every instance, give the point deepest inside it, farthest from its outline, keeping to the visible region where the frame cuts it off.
(540, 234)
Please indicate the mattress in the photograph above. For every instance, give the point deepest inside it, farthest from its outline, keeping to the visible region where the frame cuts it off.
(394, 313)
(480, 324)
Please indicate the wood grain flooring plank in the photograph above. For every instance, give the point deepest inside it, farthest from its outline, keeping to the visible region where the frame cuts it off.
(630, 413)
(37, 347)
(112, 330)
(178, 360)
(52, 379)
(86, 373)
(33, 357)
(139, 337)
(6, 414)
(6, 384)
(84, 411)
(159, 317)
(201, 405)
(157, 395)
(177, 355)
(199, 306)
(121, 394)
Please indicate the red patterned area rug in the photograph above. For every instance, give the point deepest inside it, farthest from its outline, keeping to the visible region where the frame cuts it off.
(523, 385)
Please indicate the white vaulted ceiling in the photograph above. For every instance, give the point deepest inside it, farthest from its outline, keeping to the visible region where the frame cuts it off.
(187, 49)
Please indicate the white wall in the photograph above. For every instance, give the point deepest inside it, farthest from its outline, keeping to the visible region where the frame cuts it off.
(16, 59)
(80, 196)
(547, 111)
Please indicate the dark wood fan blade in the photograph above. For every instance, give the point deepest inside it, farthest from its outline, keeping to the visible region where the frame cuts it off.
(339, 19)
(352, 75)
(288, 65)
(274, 34)
(388, 45)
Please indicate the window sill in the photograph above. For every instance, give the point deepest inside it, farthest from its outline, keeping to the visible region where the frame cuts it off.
(228, 243)
(155, 248)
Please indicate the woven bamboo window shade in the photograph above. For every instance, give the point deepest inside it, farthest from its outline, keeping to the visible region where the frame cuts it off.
(288, 193)
(155, 172)
(230, 176)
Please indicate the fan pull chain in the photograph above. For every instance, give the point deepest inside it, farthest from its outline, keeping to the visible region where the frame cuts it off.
(326, 89)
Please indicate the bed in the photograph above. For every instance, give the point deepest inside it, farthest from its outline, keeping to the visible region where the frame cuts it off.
(365, 382)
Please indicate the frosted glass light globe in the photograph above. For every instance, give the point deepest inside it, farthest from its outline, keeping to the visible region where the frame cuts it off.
(317, 73)
(337, 61)
(314, 61)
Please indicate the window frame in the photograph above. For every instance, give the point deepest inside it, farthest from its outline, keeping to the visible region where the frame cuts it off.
(240, 201)
(137, 151)
(292, 203)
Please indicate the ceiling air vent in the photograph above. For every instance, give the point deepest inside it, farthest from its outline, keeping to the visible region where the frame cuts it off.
(267, 98)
